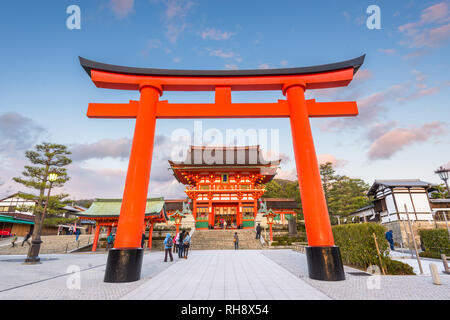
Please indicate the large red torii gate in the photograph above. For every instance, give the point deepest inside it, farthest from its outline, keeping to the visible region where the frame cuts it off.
(125, 261)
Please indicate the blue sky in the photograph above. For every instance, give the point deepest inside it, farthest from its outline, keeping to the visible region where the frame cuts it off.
(402, 89)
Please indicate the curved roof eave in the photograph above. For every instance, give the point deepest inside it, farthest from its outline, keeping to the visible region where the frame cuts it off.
(89, 65)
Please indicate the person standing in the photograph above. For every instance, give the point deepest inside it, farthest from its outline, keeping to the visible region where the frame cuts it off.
(390, 238)
(236, 241)
(143, 240)
(258, 231)
(225, 223)
(26, 239)
(186, 244)
(77, 234)
(168, 243)
(175, 250)
(110, 241)
(177, 242)
(14, 239)
(181, 245)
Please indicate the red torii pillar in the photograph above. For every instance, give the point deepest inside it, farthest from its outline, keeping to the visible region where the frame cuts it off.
(125, 260)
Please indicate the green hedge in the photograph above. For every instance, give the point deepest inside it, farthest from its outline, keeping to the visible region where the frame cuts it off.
(433, 254)
(396, 267)
(287, 240)
(435, 240)
(358, 248)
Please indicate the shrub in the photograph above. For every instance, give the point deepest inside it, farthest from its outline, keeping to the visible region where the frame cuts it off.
(286, 240)
(396, 267)
(279, 243)
(435, 240)
(357, 244)
(358, 248)
(432, 254)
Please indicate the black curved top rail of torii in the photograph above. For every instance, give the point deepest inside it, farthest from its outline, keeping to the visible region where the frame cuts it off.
(90, 65)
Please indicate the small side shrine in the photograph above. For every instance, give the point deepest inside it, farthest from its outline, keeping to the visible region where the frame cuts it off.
(105, 213)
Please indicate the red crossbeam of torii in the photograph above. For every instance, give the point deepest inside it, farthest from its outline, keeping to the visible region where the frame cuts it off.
(293, 82)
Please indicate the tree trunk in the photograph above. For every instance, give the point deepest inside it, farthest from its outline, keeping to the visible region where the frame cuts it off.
(35, 247)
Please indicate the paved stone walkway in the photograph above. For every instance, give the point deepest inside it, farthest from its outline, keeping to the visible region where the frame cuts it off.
(48, 281)
(227, 274)
(365, 287)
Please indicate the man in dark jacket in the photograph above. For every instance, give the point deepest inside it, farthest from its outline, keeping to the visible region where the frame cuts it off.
(110, 241)
(258, 231)
(143, 240)
(390, 238)
(26, 239)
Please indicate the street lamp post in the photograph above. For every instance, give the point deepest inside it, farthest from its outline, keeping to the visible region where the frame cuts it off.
(33, 253)
(443, 174)
(178, 216)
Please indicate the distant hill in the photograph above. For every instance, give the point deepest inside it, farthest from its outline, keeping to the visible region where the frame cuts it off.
(284, 182)
(282, 188)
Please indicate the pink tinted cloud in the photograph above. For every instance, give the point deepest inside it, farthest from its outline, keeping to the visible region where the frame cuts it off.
(434, 37)
(289, 174)
(397, 139)
(433, 14)
(122, 8)
(175, 18)
(422, 36)
(325, 158)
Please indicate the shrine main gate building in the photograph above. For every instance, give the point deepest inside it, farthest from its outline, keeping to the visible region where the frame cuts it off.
(125, 260)
(226, 187)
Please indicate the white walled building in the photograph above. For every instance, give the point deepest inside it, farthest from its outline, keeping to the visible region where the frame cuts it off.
(395, 200)
(13, 216)
(391, 197)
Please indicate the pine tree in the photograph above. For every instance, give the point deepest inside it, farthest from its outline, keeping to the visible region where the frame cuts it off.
(47, 158)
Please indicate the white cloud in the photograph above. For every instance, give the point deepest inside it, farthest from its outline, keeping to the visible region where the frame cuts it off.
(214, 34)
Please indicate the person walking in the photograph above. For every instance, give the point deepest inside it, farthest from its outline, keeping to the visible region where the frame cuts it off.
(168, 243)
(187, 244)
(390, 238)
(110, 241)
(258, 231)
(236, 241)
(13, 241)
(27, 238)
(77, 234)
(180, 245)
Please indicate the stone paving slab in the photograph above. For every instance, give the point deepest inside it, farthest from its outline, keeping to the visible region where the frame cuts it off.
(226, 274)
(365, 287)
(48, 281)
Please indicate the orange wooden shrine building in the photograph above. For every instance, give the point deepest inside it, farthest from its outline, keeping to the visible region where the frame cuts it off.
(106, 212)
(224, 184)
